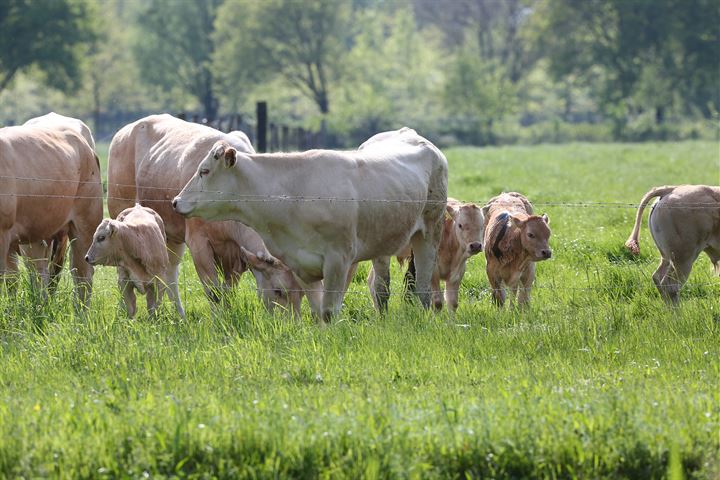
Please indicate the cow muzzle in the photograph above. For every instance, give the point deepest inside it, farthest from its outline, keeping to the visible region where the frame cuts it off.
(89, 260)
(546, 254)
(181, 207)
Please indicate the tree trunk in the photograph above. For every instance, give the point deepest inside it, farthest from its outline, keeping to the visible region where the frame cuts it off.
(659, 115)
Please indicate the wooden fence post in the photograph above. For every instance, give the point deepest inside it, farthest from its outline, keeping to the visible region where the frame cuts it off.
(262, 125)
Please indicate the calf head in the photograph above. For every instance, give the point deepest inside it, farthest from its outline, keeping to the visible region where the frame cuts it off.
(276, 283)
(534, 236)
(468, 227)
(106, 247)
(210, 191)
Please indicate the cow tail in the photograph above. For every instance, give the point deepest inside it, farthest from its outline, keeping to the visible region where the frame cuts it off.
(632, 242)
(410, 277)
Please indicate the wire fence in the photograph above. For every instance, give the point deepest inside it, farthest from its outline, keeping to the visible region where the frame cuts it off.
(234, 197)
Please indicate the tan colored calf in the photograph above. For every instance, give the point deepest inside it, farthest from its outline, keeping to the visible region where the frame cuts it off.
(135, 244)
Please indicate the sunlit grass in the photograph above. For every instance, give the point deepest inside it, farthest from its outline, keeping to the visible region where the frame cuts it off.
(597, 379)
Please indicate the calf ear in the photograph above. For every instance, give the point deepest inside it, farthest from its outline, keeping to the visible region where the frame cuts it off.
(516, 221)
(251, 259)
(545, 218)
(230, 157)
(112, 228)
(450, 212)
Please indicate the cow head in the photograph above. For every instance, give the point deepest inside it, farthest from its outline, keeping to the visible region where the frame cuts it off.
(276, 284)
(105, 248)
(210, 190)
(468, 226)
(534, 235)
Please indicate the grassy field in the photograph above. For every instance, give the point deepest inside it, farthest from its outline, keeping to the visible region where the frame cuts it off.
(598, 379)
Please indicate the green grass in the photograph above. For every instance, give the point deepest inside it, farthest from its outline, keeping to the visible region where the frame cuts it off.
(597, 379)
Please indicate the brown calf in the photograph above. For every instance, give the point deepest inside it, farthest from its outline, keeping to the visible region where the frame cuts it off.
(514, 240)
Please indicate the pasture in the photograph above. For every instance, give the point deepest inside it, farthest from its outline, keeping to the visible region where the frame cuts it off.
(597, 379)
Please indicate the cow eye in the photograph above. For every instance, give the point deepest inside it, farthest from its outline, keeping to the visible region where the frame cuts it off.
(204, 171)
(101, 238)
(531, 235)
(460, 226)
(277, 292)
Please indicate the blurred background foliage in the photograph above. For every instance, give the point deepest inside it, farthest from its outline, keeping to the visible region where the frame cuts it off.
(460, 71)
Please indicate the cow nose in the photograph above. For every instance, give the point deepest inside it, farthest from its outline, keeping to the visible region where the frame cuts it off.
(174, 203)
(546, 253)
(475, 247)
(87, 258)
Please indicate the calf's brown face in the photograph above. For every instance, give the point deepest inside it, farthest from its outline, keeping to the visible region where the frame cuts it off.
(275, 282)
(469, 226)
(103, 249)
(534, 236)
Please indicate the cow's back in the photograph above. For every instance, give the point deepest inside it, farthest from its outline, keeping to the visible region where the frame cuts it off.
(153, 158)
(57, 121)
(47, 170)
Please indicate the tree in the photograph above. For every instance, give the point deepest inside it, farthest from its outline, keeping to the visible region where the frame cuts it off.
(174, 48)
(304, 41)
(622, 46)
(45, 34)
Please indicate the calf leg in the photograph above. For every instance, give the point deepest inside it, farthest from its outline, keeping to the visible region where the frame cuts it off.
(380, 287)
(171, 286)
(153, 297)
(498, 292)
(437, 292)
(526, 281)
(127, 290)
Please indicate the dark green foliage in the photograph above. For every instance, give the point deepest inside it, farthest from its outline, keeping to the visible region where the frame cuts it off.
(46, 34)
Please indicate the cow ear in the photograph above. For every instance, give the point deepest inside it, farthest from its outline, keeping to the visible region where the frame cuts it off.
(251, 259)
(112, 228)
(545, 218)
(516, 221)
(230, 157)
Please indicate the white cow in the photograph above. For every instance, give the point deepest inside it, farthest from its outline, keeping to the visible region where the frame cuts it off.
(149, 162)
(321, 211)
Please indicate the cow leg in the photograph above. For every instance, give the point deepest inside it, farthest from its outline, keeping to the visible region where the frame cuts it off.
(381, 283)
(171, 287)
(314, 293)
(36, 261)
(127, 290)
(175, 254)
(335, 272)
(676, 277)
(424, 256)
(153, 296)
(82, 272)
(205, 266)
(659, 275)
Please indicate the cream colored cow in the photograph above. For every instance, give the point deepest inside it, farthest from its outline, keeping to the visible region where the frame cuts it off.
(50, 181)
(135, 243)
(149, 162)
(321, 211)
(684, 222)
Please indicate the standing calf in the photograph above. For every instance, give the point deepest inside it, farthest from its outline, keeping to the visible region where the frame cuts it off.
(135, 244)
(684, 222)
(514, 240)
(461, 239)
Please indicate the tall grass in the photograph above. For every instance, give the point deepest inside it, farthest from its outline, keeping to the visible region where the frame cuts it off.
(597, 379)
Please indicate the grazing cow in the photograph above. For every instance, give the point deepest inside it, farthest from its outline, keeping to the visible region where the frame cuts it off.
(276, 284)
(149, 162)
(461, 239)
(321, 211)
(514, 240)
(135, 244)
(47, 256)
(50, 179)
(684, 222)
